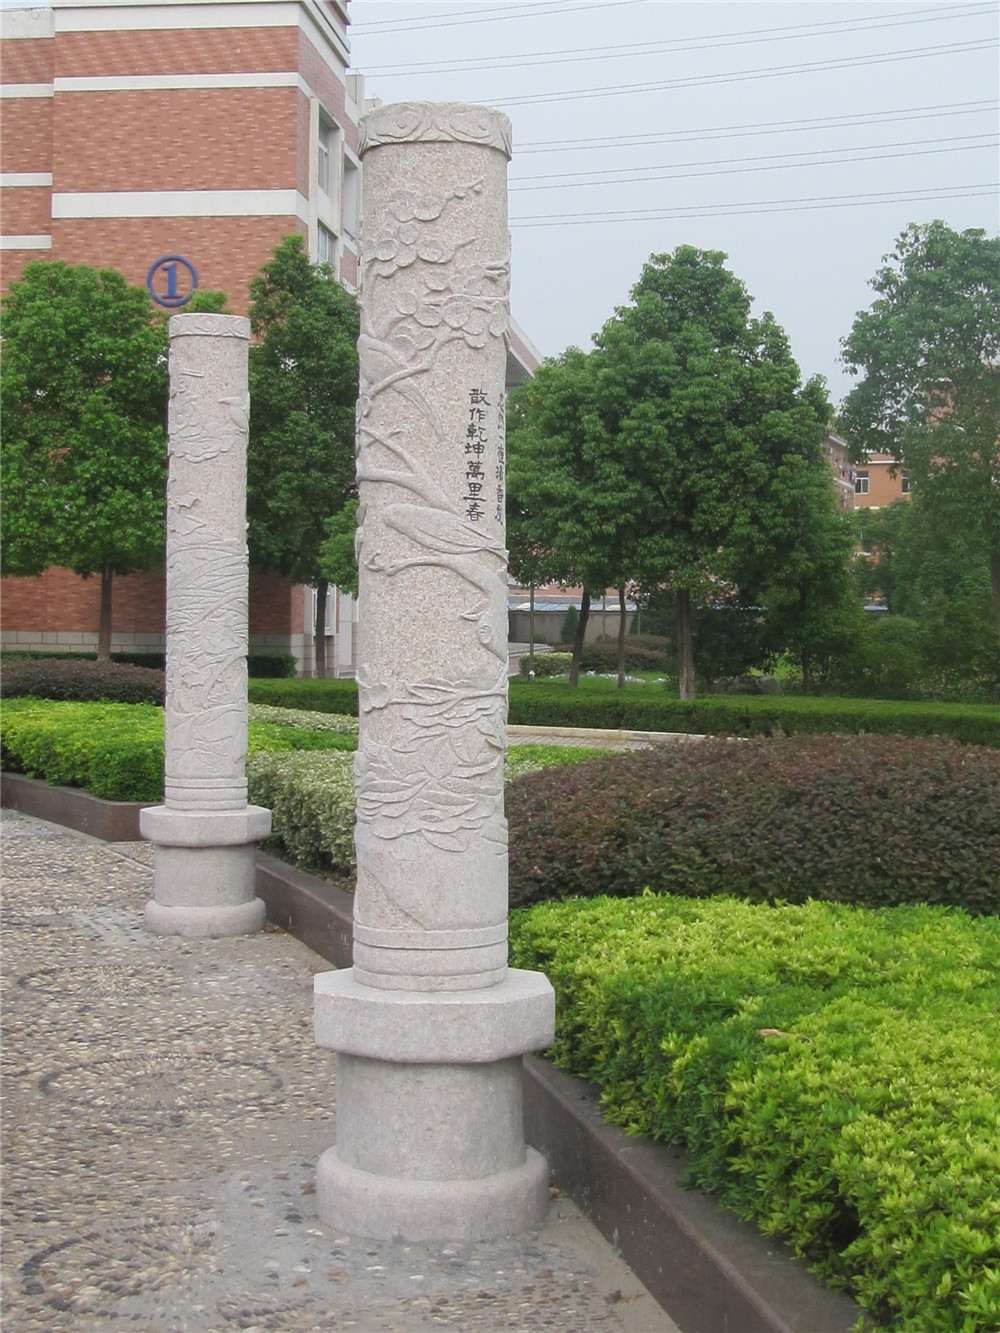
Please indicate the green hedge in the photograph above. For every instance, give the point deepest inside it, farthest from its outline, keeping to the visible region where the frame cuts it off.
(316, 696)
(652, 708)
(598, 704)
(82, 680)
(115, 751)
(833, 1072)
(877, 820)
(258, 664)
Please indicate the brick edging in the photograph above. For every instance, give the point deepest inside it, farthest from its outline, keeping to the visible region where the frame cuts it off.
(708, 1270)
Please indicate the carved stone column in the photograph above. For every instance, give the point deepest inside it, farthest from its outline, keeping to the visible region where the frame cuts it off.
(205, 832)
(430, 1024)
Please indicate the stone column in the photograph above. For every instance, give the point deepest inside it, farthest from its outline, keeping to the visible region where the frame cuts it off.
(205, 833)
(430, 1024)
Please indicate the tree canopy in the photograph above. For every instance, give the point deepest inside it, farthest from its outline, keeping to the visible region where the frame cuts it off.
(928, 352)
(83, 393)
(673, 432)
(303, 389)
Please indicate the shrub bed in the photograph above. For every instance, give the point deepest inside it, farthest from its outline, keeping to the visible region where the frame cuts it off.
(652, 708)
(598, 704)
(316, 696)
(65, 678)
(115, 751)
(833, 1072)
(867, 819)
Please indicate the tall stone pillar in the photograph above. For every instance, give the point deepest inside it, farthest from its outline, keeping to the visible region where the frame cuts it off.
(205, 832)
(430, 1024)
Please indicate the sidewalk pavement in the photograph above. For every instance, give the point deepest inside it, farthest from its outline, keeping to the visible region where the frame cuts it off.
(165, 1108)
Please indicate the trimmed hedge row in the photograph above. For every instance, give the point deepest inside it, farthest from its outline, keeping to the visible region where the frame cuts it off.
(543, 703)
(114, 750)
(311, 799)
(71, 678)
(867, 819)
(315, 696)
(258, 664)
(834, 1073)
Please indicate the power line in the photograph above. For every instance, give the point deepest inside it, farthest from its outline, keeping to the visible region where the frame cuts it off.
(745, 37)
(379, 26)
(973, 191)
(741, 76)
(627, 176)
(745, 130)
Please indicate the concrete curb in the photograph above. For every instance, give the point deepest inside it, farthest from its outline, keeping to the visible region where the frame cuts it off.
(711, 1272)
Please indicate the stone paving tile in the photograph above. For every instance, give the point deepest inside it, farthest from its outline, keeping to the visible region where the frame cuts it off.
(164, 1110)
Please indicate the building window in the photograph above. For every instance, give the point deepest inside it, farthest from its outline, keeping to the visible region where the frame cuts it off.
(350, 211)
(904, 483)
(861, 483)
(326, 245)
(323, 158)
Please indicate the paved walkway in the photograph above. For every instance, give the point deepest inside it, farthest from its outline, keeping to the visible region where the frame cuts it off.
(165, 1108)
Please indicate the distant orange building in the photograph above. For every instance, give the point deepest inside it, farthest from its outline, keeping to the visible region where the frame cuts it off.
(878, 481)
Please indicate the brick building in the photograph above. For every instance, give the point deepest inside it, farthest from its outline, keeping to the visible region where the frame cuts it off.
(200, 132)
(203, 131)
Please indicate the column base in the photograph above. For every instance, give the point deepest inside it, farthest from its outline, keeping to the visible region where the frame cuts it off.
(378, 1207)
(206, 922)
(205, 870)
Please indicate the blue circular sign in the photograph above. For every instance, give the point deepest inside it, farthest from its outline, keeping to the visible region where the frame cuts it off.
(169, 273)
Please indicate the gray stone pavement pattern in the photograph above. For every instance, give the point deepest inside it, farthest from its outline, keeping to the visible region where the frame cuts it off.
(164, 1110)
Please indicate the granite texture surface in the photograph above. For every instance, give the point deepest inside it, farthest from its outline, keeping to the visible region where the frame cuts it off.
(165, 1109)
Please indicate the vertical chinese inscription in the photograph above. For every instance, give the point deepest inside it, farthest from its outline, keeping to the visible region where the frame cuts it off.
(476, 445)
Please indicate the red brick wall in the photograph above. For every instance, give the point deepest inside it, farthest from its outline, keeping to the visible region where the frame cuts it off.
(226, 252)
(27, 211)
(25, 130)
(28, 60)
(59, 600)
(275, 606)
(196, 51)
(195, 139)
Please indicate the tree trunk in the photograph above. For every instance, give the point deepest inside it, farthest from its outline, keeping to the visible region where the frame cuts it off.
(581, 629)
(621, 638)
(995, 583)
(531, 631)
(685, 645)
(319, 630)
(104, 623)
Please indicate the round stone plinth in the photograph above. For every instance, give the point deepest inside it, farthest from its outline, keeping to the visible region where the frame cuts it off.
(206, 922)
(384, 1207)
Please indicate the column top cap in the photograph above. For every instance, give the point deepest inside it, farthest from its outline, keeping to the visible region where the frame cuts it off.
(200, 323)
(435, 122)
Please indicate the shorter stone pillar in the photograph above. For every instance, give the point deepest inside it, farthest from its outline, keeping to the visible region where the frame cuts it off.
(205, 833)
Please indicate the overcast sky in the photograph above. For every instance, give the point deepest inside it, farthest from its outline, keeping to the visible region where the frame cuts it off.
(798, 138)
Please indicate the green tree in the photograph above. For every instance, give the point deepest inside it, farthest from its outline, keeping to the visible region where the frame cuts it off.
(696, 407)
(338, 556)
(928, 352)
(83, 393)
(303, 388)
(565, 516)
(811, 607)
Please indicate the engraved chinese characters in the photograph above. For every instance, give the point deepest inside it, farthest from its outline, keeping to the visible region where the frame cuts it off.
(430, 1024)
(431, 837)
(205, 831)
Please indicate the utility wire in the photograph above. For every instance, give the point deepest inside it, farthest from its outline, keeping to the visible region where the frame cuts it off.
(744, 130)
(628, 176)
(973, 191)
(742, 76)
(745, 37)
(376, 27)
